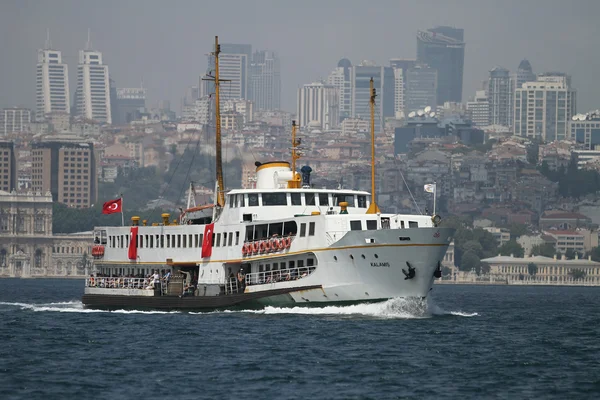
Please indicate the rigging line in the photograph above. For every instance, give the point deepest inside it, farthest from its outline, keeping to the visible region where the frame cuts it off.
(409, 192)
(189, 169)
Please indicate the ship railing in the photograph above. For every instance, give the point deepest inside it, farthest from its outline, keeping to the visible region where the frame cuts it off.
(119, 283)
(334, 236)
(231, 286)
(278, 275)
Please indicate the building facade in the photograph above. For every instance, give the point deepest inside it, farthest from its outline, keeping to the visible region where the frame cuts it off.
(384, 84)
(499, 95)
(130, 105)
(585, 130)
(443, 49)
(420, 88)
(340, 78)
(543, 109)
(65, 166)
(8, 167)
(92, 97)
(52, 83)
(234, 68)
(27, 246)
(479, 109)
(265, 81)
(14, 120)
(318, 106)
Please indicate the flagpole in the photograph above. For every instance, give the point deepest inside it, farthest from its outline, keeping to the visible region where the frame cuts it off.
(434, 195)
(123, 217)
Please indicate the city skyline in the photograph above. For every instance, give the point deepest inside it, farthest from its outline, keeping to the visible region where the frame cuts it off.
(171, 59)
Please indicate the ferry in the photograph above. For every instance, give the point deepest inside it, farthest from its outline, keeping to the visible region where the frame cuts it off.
(281, 243)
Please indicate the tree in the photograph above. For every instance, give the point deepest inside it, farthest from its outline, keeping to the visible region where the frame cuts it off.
(517, 230)
(570, 254)
(545, 249)
(473, 246)
(470, 262)
(511, 248)
(595, 253)
(532, 268)
(577, 274)
(533, 152)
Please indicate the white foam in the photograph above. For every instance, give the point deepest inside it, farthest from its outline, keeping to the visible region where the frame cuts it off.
(76, 307)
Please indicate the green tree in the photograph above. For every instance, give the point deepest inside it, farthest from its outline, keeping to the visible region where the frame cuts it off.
(533, 152)
(511, 247)
(473, 246)
(470, 262)
(595, 253)
(577, 274)
(517, 230)
(532, 268)
(545, 249)
(570, 254)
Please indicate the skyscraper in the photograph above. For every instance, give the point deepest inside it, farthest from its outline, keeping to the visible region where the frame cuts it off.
(384, 83)
(499, 96)
(401, 67)
(420, 88)
(234, 65)
(52, 82)
(92, 97)
(265, 81)
(543, 109)
(443, 49)
(479, 109)
(318, 106)
(524, 73)
(340, 78)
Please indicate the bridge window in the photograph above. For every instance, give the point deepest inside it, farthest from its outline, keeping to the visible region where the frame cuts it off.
(230, 239)
(323, 199)
(362, 201)
(237, 238)
(371, 224)
(309, 199)
(225, 239)
(413, 224)
(296, 199)
(218, 239)
(249, 232)
(311, 229)
(302, 230)
(274, 199)
(341, 197)
(178, 240)
(290, 228)
(355, 226)
(261, 232)
(253, 200)
(276, 229)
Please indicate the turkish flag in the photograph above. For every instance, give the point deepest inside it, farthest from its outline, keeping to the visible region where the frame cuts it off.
(132, 252)
(113, 206)
(207, 241)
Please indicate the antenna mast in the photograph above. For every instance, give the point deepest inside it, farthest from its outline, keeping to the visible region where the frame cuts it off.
(220, 195)
(373, 208)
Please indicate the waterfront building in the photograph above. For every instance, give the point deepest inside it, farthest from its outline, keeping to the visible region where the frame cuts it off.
(443, 48)
(499, 94)
(65, 166)
(14, 119)
(318, 106)
(92, 97)
(27, 246)
(265, 81)
(478, 110)
(52, 82)
(544, 108)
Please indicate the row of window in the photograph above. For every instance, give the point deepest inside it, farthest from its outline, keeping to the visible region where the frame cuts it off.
(278, 229)
(296, 199)
(176, 240)
(310, 262)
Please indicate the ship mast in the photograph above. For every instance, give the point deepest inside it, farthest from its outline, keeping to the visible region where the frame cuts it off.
(295, 182)
(220, 191)
(373, 208)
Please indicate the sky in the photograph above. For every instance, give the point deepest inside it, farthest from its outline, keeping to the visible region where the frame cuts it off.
(165, 43)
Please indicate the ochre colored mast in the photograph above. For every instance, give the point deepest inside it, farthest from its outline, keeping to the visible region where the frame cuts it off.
(373, 208)
(221, 188)
(295, 182)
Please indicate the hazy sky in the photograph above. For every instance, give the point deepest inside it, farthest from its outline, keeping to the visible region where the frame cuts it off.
(166, 41)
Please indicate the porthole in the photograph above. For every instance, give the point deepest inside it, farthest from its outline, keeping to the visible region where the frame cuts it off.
(335, 258)
(351, 257)
(363, 256)
(376, 256)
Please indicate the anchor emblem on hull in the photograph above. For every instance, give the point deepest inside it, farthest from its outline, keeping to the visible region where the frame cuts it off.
(410, 273)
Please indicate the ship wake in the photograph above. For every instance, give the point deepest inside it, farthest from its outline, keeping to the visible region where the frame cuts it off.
(71, 307)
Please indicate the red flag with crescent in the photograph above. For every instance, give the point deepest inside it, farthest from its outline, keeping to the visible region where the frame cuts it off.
(112, 206)
(132, 252)
(207, 241)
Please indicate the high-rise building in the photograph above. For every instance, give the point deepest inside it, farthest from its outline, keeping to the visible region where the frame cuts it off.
(318, 106)
(499, 95)
(420, 88)
(65, 166)
(130, 105)
(401, 67)
(234, 66)
(14, 120)
(524, 74)
(92, 98)
(384, 83)
(543, 109)
(265, 81)
(340, 78)
(52, 82)
(478, 110)
(443, 48)
(8, 167)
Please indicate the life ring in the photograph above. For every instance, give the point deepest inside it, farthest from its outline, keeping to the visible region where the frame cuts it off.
(245, 249)
(268, 246)
(288, 242)
(255, 247)
(261, 247)
(280, 244)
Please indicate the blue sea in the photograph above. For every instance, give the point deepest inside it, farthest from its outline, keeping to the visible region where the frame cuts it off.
(466, 342)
